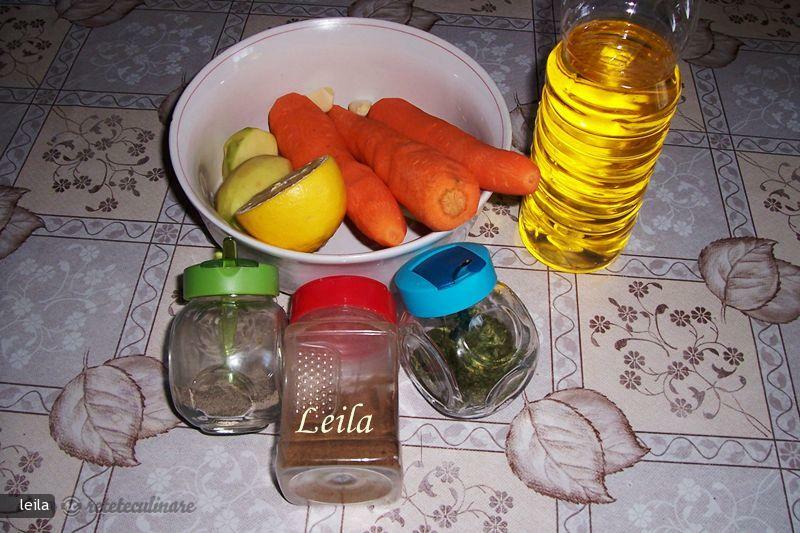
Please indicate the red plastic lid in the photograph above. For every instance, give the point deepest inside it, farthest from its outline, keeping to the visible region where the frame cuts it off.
(334, 291)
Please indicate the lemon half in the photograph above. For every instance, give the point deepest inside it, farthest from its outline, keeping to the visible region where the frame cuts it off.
(301, 211)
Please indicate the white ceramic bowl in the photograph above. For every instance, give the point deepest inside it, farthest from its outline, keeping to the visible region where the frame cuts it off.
(360, 59)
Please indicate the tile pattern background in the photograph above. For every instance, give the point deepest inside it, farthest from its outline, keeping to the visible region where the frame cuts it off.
(100, 280)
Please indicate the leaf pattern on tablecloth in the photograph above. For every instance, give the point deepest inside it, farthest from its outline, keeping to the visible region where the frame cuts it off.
(785, 306)
(523, 119)
(709, 48)
(19, 227)
(150, 375)
(744, 274)
(741, 272)
(95, 13)
(392, 10)
(9, 196)
(556, 451)
(564, 445)
(97, 417)
(621, 449)
(423, 19)
(399, 11)
(104, 410)
(167, 105)
(16, 223)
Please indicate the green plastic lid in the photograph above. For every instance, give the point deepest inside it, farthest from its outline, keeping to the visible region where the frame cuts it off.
(229, 275)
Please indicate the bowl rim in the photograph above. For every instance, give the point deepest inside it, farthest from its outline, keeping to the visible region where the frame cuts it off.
(314, 257)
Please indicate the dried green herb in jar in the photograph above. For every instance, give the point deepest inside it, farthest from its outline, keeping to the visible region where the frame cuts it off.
(479, 350)
(469, 342)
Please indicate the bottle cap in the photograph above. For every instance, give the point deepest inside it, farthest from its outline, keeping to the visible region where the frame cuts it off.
(446, 279)
(229, 275)
(334, 291)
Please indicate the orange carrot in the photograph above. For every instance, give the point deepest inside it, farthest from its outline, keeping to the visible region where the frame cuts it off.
(497, 170)
(304, 132)
(438, 191)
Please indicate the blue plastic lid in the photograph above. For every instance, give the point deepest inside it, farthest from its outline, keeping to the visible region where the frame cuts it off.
(446, 279)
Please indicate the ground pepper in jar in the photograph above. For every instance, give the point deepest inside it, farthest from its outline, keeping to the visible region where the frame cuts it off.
(224, 358)
(231, 397)
(339, 433)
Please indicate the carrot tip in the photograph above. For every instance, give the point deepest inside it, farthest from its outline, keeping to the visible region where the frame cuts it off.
(394, 238)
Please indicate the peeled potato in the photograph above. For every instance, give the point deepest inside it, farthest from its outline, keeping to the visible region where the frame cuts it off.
(360, 107)
(244, 144)
(323, 97)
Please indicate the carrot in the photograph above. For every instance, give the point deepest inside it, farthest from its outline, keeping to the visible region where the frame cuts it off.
(438, 191)
(304, 133)
(497, 170)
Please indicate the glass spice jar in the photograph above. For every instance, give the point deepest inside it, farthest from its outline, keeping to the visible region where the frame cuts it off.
(468, 343)
(224, 360)
(339, 432)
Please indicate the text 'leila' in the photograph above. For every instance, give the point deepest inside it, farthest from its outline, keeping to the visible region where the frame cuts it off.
(364, 424)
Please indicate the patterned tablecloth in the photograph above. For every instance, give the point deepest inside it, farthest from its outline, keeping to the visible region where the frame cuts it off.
(93, 234)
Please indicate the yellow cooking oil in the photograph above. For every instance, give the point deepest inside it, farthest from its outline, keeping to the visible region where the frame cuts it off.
(611, 90)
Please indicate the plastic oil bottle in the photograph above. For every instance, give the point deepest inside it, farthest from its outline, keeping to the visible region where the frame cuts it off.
(611, 89)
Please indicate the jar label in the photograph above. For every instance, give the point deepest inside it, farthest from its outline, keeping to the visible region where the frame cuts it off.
(336, 423)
